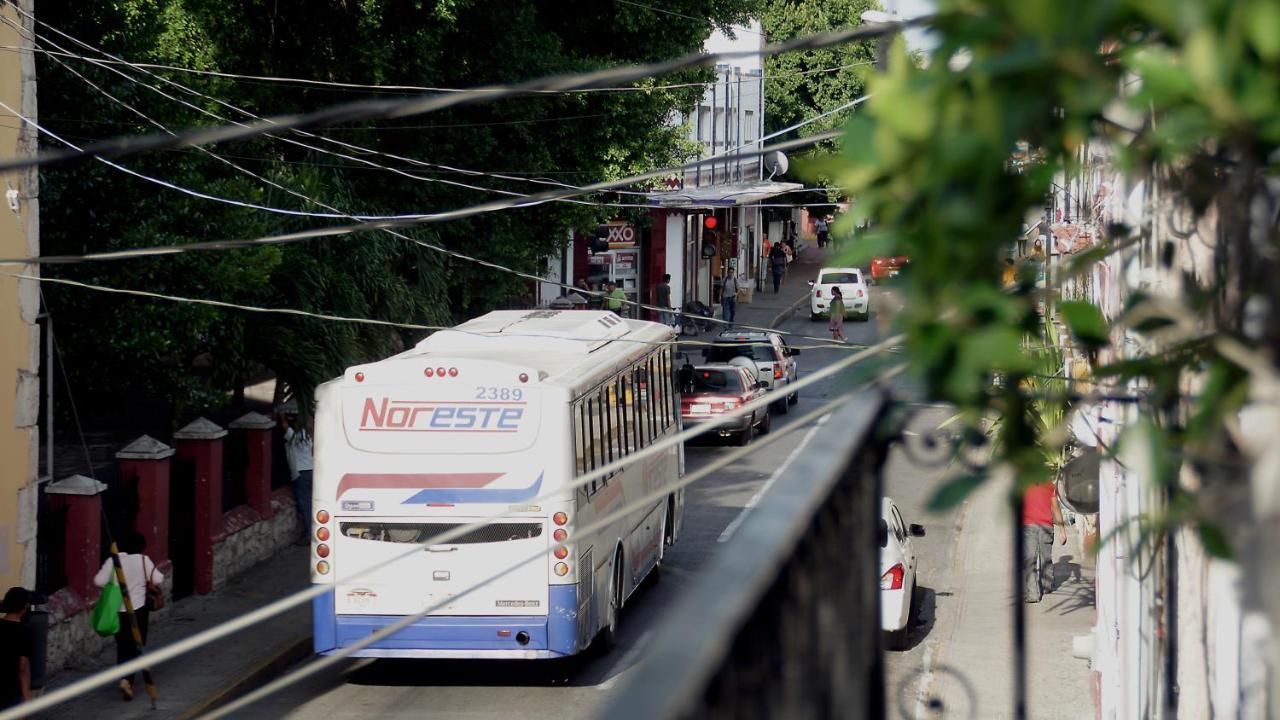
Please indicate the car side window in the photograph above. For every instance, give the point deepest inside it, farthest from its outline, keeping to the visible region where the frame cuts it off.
(898, 528)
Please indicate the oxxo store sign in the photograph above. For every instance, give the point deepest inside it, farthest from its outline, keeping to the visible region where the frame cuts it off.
(620, 236)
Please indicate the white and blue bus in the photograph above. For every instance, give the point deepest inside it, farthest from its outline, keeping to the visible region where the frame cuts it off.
(496, 415)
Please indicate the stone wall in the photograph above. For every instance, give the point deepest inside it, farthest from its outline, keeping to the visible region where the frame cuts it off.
(72, 641)
(248, 539)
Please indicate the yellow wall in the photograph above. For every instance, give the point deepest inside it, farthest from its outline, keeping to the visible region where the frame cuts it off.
(19, 305)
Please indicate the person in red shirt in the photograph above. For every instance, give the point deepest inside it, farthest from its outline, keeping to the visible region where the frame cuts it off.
(1040, 515)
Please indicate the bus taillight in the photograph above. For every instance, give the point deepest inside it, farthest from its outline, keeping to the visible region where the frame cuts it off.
(322, 567)
(560, 534)
(561, 569)
(560, 518)
(561, 552)
(322, 550)
(322, 516)
(322, 534)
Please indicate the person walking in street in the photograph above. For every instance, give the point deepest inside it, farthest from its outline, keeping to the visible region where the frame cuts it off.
(662, 298)
(837, 315)
(823, 232)
(729, 297)
(1040, 515)
(614, 298)
(138, 571)
(17, 647)
(778, 265)
(298, 449)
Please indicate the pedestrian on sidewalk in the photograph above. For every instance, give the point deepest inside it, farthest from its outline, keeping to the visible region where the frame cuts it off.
(17, 647)
(1040, 515)
(298, 450)
(778, 265)
(729, 297)
(614, 298)
(837, 315)
(662, 298)
(138, 571)
(822, 230)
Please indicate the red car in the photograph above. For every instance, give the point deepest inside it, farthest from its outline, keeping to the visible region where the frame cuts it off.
(711, 390)
(887, 267)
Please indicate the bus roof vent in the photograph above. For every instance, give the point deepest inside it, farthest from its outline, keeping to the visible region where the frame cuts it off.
(558, 331)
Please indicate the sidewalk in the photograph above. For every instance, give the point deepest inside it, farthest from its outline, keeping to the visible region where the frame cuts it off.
(971, 667)
(766, 306)
(190, 683)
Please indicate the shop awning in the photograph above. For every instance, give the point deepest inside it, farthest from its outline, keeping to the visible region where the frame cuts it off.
(721, 196)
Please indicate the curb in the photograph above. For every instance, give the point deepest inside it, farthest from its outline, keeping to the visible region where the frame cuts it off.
(252, 678)
(782, 316)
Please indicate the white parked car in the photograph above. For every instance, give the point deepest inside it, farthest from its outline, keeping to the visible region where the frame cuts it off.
(853, 287)
(897, 572)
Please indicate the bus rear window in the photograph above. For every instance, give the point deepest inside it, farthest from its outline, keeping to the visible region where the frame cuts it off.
(717, 381)
(418, 533)
(723, 353)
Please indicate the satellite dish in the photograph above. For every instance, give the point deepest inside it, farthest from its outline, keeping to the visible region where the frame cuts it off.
(776, 163)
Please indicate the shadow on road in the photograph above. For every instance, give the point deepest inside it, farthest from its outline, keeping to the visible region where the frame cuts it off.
(924, 614)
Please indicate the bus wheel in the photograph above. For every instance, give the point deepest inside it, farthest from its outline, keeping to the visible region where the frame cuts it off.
(609, 635)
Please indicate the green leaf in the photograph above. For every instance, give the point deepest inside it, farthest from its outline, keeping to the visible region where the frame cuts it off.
(1086, 323)
(1215, 541)
(1263, 28)
(953, 492)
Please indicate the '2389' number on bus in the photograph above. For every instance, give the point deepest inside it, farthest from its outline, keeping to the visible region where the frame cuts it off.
(491, 392)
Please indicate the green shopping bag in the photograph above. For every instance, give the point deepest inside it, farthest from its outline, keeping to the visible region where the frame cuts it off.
(105, 616)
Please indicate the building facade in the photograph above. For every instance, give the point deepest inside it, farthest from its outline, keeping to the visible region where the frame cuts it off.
(19, 315)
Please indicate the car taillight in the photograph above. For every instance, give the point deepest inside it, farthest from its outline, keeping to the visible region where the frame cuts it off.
(859, 293)
(817, 293)
(777, 371)
(730, 404)
(892, 578)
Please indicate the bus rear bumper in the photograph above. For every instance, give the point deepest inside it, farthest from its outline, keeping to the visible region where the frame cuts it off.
(474, 637)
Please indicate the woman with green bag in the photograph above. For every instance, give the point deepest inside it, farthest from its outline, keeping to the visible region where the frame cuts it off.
(139, 572)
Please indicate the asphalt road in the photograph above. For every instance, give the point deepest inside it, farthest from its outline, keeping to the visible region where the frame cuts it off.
(582, 687)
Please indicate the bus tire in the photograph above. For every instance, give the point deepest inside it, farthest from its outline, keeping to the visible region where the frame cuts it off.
(609, 633)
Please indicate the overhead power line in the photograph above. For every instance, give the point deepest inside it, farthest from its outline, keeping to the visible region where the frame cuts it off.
(448, 215)
(399, 89)
(406, 107)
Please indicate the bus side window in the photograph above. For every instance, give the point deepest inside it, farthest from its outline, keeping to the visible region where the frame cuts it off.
(619, 436)
(580, 437)
(655, 393)
(639, 407)
(668, 392)
(595, 449)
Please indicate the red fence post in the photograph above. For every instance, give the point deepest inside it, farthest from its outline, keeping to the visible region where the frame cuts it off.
(147, 460)
(82, 498)
(257, 473)
(201, 443)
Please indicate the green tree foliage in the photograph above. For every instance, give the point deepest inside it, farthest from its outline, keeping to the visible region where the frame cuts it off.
(797, 88)
(1188, 87)
(197, 354)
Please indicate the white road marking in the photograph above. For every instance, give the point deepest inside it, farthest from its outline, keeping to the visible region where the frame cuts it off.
(746, 510)
(922, 709)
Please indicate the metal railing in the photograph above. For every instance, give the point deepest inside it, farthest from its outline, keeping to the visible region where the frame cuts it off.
(785, 621)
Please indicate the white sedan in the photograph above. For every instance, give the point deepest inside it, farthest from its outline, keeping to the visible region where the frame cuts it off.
(853, 288)
(897, 572)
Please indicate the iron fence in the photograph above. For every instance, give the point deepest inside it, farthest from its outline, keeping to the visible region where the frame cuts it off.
(785, 621)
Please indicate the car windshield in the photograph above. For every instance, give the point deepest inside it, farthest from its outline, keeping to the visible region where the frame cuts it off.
(717, 381)
(723, 353)
(839, 278)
